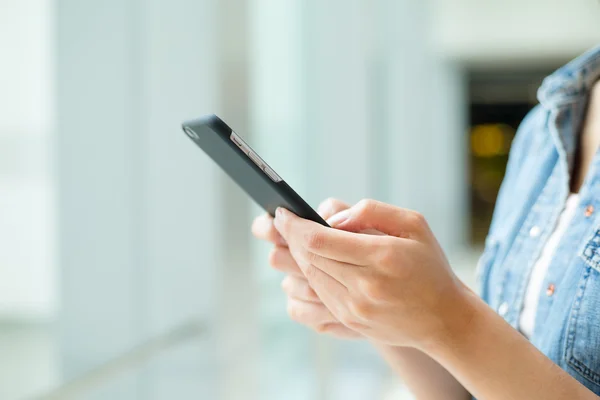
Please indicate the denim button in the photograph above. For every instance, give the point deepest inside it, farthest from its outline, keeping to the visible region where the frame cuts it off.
(503, 309)
(589, 211)
(535, 231)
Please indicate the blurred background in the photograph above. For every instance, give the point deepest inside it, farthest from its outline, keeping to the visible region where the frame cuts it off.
(127, 269)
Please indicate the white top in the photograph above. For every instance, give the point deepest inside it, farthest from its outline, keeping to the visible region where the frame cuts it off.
(540, 269)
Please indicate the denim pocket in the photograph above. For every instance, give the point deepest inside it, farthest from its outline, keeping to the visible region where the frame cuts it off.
(583, 332)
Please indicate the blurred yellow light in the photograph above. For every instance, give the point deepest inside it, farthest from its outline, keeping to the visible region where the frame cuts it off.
(487, 140)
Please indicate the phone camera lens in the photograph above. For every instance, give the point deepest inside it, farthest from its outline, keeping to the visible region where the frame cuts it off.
(191, 133)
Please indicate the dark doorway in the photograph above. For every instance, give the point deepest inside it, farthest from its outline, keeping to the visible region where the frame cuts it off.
(498, 102)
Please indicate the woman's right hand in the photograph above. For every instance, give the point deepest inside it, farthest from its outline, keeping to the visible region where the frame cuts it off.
(304, 306)
(415, 368)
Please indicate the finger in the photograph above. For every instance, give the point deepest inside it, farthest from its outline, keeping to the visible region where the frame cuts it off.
(332, 293)
(281, 259)
(344, 273)
(348, 247)
(308, 313)
(318, 279)
(263, 229)
(338, 330)
(330, 207)
(319, 318)
(382, 217)
(299, 289)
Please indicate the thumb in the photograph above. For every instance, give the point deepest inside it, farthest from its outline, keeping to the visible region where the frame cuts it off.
(370, 214)
(330, 207)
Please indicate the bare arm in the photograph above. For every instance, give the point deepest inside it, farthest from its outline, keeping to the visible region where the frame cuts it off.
(508, 365)
(424, 377)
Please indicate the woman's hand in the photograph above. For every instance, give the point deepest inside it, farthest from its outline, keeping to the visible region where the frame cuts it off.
(304, 306)
(417, 370)
(397, 289)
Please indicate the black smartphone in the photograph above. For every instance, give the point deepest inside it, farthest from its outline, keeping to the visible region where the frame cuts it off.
(246, 168)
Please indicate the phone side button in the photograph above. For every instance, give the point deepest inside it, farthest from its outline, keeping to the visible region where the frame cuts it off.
(271, 174)
(255, 159)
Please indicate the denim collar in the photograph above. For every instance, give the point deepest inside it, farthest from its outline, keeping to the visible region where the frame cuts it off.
(571, 83)
(568, 89)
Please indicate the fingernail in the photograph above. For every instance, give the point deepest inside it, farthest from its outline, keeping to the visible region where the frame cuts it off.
(339, 218)
(279, 215)
(283, 212)
(279, 212)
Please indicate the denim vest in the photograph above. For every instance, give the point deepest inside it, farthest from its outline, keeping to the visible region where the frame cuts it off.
(532, 196)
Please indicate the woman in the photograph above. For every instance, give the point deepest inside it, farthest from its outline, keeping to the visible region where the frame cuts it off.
(538, 336)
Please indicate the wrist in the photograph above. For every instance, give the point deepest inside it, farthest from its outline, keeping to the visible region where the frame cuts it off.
(381, 346)
(459, 319)
(393, 353)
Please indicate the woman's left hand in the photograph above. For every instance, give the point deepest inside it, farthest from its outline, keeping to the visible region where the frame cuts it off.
(397, 289)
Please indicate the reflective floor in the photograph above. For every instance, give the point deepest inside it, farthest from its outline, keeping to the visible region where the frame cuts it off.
(29, 365)
(28, 360)
(29, 368)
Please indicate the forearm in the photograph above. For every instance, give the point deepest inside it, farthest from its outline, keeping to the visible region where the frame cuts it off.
(495, 362)
(425, 378)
